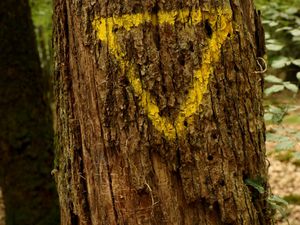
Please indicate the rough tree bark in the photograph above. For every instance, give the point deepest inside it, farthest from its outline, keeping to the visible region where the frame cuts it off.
(159, 112)
(26, 131)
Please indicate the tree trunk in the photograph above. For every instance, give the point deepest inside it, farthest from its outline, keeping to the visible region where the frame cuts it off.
(159, 112)
(26, 131)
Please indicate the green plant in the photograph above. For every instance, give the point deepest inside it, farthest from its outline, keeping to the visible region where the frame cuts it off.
(281, 20)
(41, 11)
(280, 205)
(285, 141)
(279, 85)
(292, 199)
(273, 113)
(276, 203)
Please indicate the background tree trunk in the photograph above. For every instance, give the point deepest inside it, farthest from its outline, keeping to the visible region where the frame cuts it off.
(26, 131)
(159, 112)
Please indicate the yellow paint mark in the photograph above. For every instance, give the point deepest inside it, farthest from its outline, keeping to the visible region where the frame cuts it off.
(221, 23)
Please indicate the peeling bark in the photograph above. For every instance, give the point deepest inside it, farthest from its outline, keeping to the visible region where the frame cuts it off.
(135, 146)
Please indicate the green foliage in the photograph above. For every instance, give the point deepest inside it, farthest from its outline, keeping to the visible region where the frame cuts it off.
(279, 204)
(285, 141)
(285, 144)
(256, 184)
(285, 156)
(275, 114)
(292, 119)
(278, 85)
(281, 20)
(275, 202)
(292, 199)
(41, 11)
(298, 76)
(280, 45)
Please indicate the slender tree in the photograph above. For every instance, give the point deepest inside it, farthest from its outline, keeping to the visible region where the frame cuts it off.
(159, 112)
(26, 131)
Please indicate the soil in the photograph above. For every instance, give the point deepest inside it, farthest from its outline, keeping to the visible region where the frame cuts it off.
(284, 173)
(285, 181)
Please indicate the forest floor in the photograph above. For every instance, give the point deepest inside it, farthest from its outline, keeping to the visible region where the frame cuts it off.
(283, 151)
(284, 174)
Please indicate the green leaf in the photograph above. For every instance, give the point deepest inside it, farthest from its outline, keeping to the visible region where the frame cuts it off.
(295, 32)
(280, 209)
(277, 200)
(298, 76)
(277, 118)
(285, 145)
(266, 21)
(274, 47)
(268, 116)
(273, 23)
(273, 79)
(271, 41)
(275, 137)
(296, 62)
(284, 16)
(281, 62)
(267, 35)
(274, 89)
(256, 185)
(291, 10)
(275, 110)
(278, 113)
(292, 87)
(296, 39)
(283, 28)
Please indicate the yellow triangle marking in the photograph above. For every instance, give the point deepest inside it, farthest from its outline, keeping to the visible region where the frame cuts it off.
(221, 23)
